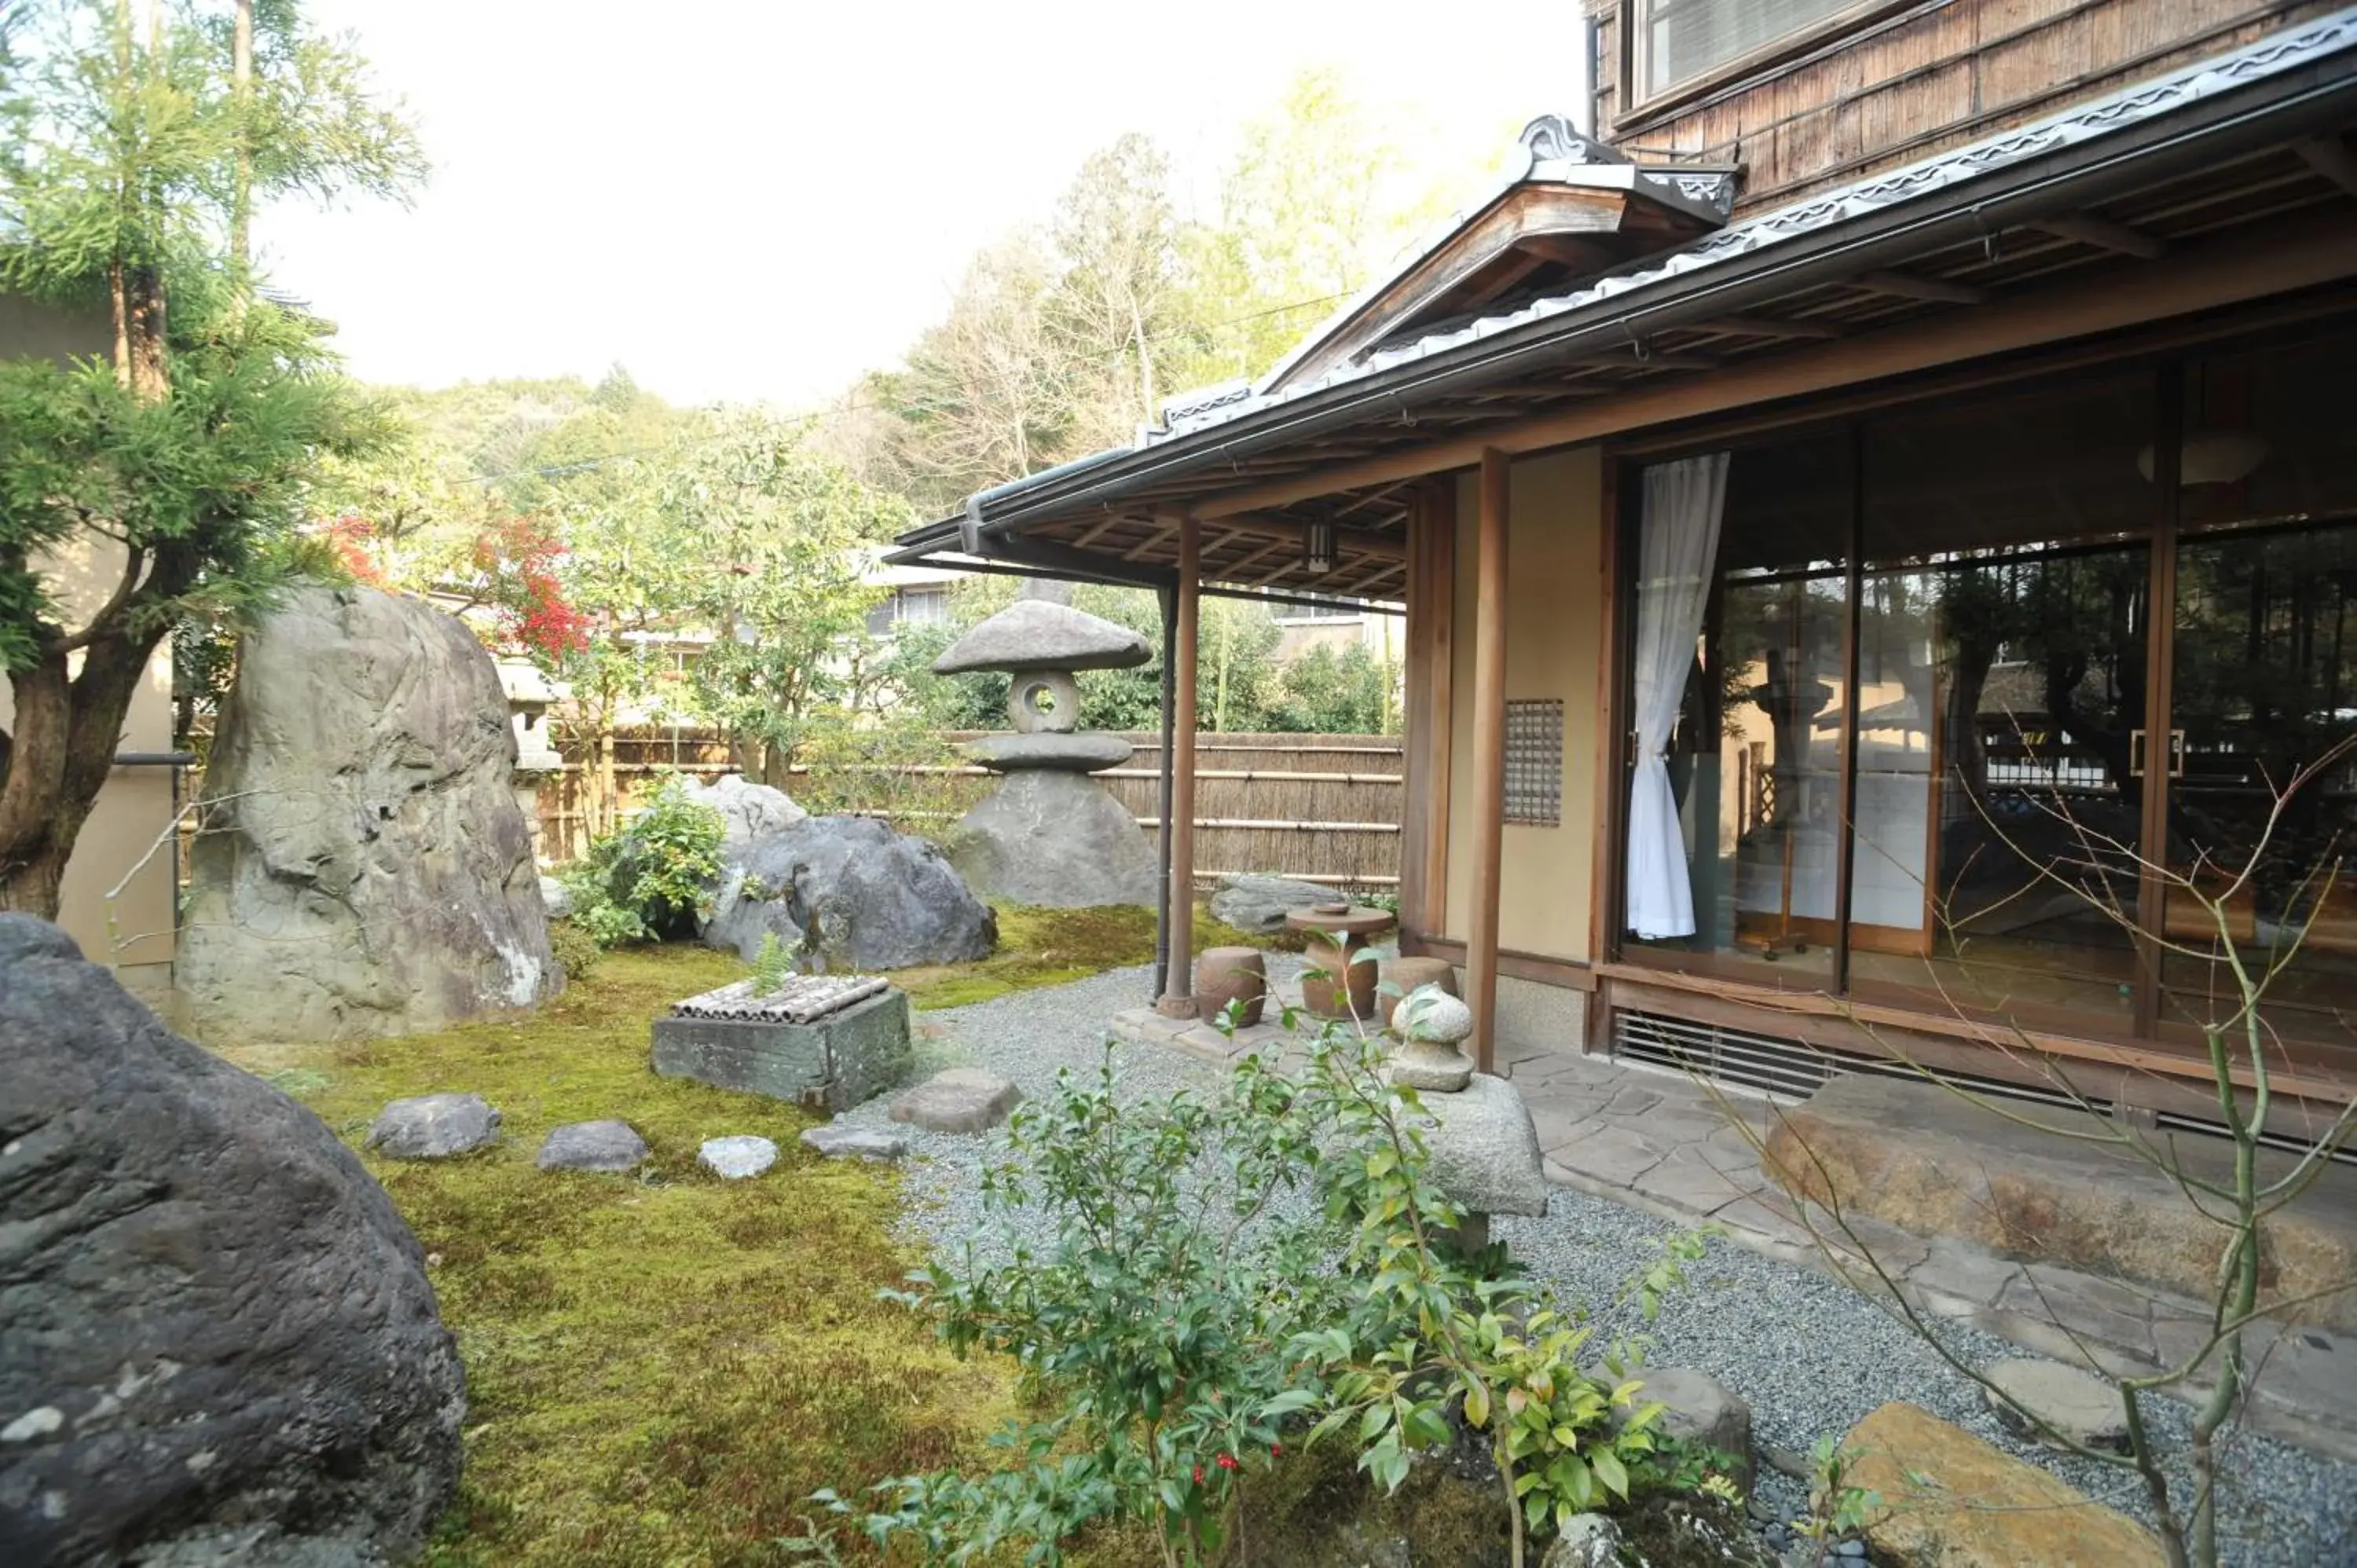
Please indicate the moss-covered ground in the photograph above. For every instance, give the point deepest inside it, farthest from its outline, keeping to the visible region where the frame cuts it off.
(661, 1370)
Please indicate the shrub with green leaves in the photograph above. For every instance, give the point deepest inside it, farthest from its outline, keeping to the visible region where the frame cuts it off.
(1269, 1265)
(654, 879)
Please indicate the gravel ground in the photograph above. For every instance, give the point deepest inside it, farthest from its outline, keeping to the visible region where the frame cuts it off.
(1812, 1356)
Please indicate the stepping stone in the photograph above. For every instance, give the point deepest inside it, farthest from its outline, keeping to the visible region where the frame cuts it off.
(737, 1156)
(1701, 1410)
(433, 1126)
(2080, 1406)
(593, 1146)
(1950, 1499)
(957, 1100)
(838, 1142)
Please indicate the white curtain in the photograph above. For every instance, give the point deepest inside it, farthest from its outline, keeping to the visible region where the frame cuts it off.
(1683, 502)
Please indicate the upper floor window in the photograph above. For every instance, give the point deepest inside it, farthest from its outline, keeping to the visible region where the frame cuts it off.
(1675, 41)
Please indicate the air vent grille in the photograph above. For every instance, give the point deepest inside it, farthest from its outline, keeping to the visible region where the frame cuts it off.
(1788, 1069)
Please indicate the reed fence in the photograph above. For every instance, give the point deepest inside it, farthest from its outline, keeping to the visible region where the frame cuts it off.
(1320, 808)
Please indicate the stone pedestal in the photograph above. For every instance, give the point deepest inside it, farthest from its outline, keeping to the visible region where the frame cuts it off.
(829, 1064)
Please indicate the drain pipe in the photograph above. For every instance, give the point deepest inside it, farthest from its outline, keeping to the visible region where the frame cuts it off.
(1170, 599)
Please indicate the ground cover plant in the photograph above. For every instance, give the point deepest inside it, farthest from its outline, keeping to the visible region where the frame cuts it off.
(660, 1371)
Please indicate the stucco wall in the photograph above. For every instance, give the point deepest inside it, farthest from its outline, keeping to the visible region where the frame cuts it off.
(135, 806)
(1555, 626)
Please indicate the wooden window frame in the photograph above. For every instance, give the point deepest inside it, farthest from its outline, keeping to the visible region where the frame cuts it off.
(1640, 110)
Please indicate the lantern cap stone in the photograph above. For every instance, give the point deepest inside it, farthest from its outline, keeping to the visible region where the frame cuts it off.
(1033, 634)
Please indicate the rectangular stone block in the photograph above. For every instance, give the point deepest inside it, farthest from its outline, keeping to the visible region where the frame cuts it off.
(830, 1064)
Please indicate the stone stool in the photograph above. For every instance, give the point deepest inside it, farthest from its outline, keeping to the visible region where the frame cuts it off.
(1231, 974)
(1398, 976)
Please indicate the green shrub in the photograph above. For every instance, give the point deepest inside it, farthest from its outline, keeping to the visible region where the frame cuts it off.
(653, 879)
(575, 949)
(1187, 1322)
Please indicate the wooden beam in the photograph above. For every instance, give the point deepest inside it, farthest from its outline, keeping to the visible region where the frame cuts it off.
(1151, 542)
(2214, 275)
(1907, 286)
(1489, 758)
(1228, 573)
(1768, 327)
(1099, 531)
(1177, 999)
(2330, 156)
(2105, 235)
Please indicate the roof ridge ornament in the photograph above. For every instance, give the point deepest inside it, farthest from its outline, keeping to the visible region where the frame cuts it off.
(1553, 138)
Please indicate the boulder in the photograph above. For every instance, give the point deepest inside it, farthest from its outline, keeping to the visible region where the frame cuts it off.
(556, 898)
(851, 894)
(1698, 1408)
(610, 1147)
(737, 1156)
(1950, 1500)
(1034, 634)
(2041, 1401)
(1485, 1149)
(434, 1126)
(2047, 1183)
(364, 869)
(1057, 840)
(1259, 904)
(221, 1346)
(957, 1100)
(838, 1141)
(749, 812)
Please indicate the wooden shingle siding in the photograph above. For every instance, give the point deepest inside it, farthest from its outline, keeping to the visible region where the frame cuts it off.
(1906, 82)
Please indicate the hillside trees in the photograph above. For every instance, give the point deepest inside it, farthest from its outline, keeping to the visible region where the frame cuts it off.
(169, 478)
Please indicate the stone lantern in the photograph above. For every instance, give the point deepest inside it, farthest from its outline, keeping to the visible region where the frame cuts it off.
(530, 693)
(1050, 835)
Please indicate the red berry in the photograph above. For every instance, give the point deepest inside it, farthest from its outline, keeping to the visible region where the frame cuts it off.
(1226, 1461)
(1198, 1474)
(1276, 1448)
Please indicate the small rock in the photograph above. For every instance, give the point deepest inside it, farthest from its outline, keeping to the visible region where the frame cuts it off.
(593, 1146)
(1259, 904)
(1587, 1541)
(1788, 1462)
(433, 1126)
(737, 1156)
(1853, 1550)
(836, 1141)
(2080, 1406)
(556, 897)
(1701, 1409)
(1763, 1510)
(957, 1100)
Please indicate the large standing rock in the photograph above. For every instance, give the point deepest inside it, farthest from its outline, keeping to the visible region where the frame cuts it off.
(364, 869)
(219, 1344)
(1259, 904)
(877, 899)
(1058, 841)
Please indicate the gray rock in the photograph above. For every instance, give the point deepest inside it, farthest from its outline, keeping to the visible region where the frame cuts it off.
(433, 1126)
(221, 1347)
(750, 811)
(364, 869)
(556, 898)
(1072, 753)
(1259, 904)
(1485, 1150)
(878, 900)
(737, 1156)
(2079, 1406)
(838, 1141)
(1032, 634)
(957, 1100)
(1701, 1410)
(1056, 840)
(593, 1146)
(1587, 1541)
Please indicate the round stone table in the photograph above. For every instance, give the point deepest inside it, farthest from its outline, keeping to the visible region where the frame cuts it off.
(1348, 990)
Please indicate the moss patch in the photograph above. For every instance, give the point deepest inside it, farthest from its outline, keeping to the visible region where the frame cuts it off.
(660, 1371)
(1053, 946)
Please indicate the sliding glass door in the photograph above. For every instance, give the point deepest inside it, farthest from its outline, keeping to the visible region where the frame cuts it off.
(1991, 703)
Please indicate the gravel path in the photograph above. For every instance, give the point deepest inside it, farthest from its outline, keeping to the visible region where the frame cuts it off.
(1812, 1356)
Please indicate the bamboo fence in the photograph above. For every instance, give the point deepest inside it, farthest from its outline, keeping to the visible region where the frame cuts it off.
(1322, 808)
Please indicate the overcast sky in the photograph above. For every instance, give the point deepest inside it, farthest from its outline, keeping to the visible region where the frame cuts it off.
(758, 201)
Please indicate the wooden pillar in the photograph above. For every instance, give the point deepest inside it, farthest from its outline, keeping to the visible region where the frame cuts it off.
(1489, 758)
(1177, 999)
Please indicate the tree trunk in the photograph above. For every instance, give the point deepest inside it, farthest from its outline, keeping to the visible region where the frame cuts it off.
(59, 759)
(609, 809)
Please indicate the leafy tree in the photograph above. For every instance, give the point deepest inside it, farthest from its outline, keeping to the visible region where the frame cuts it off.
(1349, 693)
(176, 470)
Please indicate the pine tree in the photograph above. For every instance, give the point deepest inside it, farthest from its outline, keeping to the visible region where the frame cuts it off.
(177, 465)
